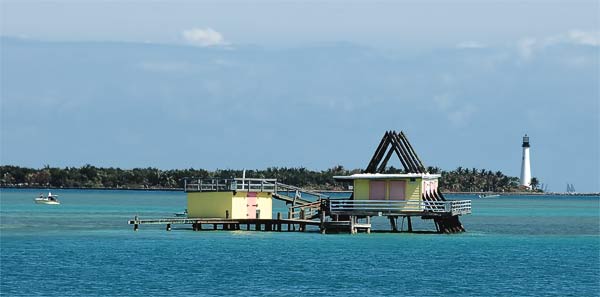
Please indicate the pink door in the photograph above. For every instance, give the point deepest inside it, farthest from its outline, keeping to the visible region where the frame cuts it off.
(397, 190)
(251, 204)
(376, 190)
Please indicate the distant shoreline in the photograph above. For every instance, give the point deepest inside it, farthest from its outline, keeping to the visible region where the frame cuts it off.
(99, 189)
(320, 191)
(522, 193)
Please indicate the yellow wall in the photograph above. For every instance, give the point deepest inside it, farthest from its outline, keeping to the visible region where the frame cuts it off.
(265, 204)
(413, 190)
(214, 205)
(209, 204)
(361, 189)
(239, 206)
(413, 193)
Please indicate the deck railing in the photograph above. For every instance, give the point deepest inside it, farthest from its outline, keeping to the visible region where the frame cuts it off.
(250, 185)
(305, 211)
(234, 184)
(384, 207)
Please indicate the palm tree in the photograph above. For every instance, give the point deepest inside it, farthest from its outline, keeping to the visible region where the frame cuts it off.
(534, 183)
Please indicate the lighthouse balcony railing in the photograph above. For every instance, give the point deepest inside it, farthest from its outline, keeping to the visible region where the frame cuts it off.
(390, 207)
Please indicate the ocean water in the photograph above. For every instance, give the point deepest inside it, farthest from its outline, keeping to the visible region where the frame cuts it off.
(515, 246)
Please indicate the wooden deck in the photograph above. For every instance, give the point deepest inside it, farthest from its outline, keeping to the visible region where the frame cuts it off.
(289, 225)
(199, 224)
(333, 216)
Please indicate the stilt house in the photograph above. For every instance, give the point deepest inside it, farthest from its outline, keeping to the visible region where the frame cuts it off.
(411, 193)
(238, 198)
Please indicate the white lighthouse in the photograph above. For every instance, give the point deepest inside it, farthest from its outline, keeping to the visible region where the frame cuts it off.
(525, 165)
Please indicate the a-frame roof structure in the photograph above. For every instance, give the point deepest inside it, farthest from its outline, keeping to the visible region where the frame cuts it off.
(393, 142)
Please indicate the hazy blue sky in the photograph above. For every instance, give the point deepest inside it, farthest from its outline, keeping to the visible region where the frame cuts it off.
(232, 84)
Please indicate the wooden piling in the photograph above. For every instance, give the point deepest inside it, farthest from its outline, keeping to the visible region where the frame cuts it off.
(279, 221)
(393, 223)
(409, 221)
(322, 221)
(168, 227)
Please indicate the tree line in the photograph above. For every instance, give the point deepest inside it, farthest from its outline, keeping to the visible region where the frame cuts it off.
(88, 176)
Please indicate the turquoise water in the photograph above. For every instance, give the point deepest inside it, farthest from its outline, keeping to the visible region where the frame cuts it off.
(515, 246)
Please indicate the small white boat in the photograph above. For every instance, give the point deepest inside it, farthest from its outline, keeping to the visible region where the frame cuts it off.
(489, 195)
(50, 199)
(181, 214)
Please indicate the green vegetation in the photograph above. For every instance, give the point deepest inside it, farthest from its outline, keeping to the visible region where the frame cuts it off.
(88, 176)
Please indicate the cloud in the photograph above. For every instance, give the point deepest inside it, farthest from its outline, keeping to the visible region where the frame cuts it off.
(461, 116)
(471, 44)
(584, 38)
(527, 47)
(457, 114)
(203, 37)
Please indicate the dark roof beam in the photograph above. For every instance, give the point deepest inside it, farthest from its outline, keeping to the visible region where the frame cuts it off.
(402, 155)
(412, 167)
(383, 144)
(420, 163)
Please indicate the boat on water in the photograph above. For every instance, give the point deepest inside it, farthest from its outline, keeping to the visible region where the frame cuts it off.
(182, 214)
(50, 199)
(488, 195)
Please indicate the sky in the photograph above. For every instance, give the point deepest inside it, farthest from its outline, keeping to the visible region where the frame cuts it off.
(255, 84)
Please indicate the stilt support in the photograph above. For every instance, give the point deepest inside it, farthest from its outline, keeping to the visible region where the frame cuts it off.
(393, 224)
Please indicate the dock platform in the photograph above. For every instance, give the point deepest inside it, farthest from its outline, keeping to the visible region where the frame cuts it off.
(199, 224)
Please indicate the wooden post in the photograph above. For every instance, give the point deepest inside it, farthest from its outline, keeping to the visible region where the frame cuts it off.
(135, 227)
(248, 226)
(322, 220)
(279, 221)
(409, 224)
(168, 227)
(393, 223)
(214, 226)
(369, 222)
(402, 224)
(352, 229)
